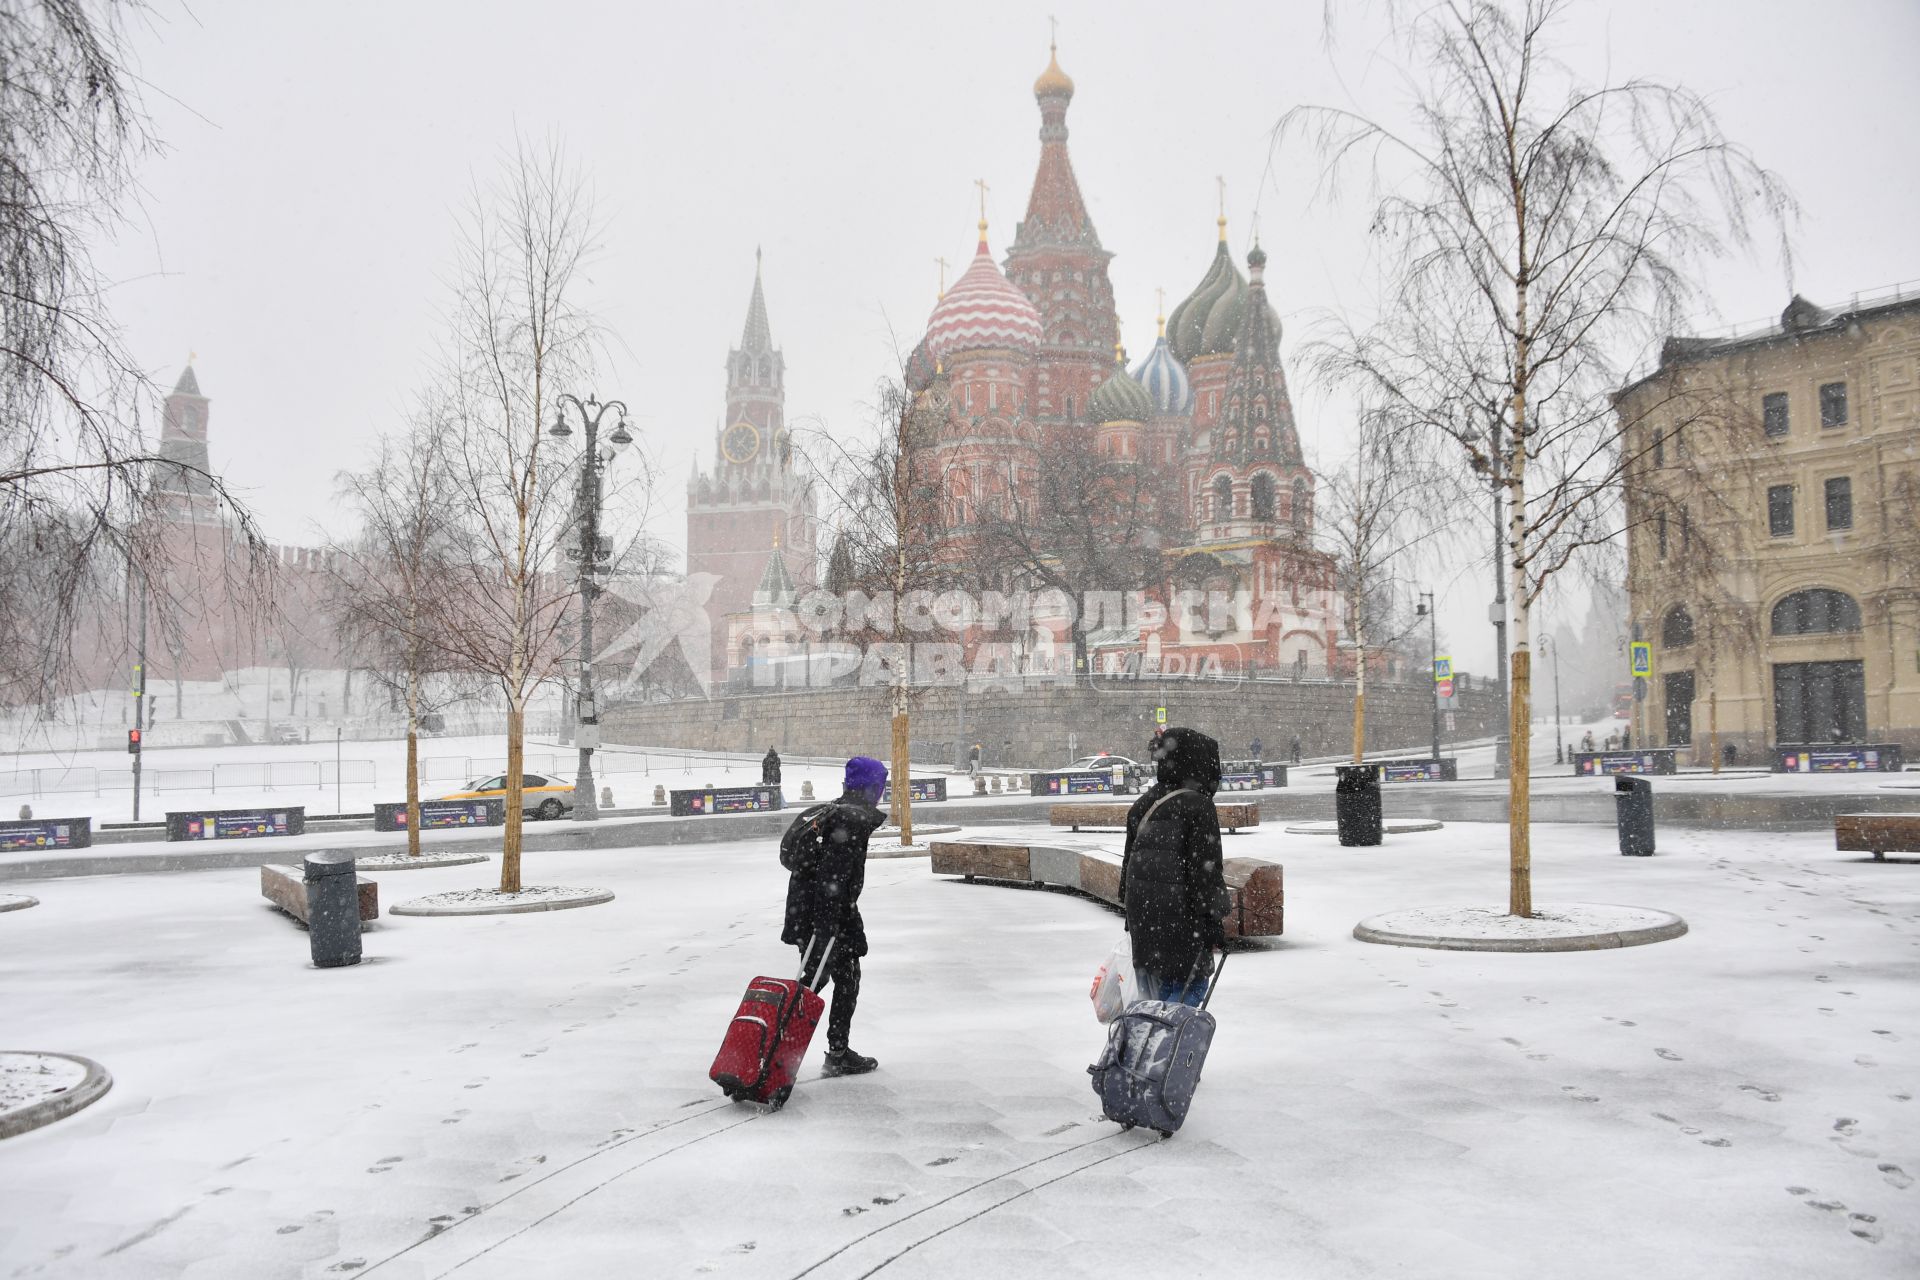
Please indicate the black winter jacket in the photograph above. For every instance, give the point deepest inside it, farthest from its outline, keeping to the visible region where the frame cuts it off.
(827, 900)
(1170, 873)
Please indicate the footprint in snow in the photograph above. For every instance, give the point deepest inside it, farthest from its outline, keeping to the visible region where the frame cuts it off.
(936, 1163)
(890, 1199)
(1765, 1095)
(1572, 1091)
(1896, 1176)
(1669, 1055)
(1866, 1226)
(1846, 1126)
(1887, 1035)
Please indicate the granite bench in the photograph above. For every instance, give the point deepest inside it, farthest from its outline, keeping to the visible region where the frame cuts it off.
(286, 888)
(1877, 833)
(1234, 814)
(1255, 885)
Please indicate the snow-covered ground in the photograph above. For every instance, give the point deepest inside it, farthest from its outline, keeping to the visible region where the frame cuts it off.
(525, 1096)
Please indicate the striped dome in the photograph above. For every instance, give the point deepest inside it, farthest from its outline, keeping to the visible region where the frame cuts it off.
(982, 310)
(1120, 399)
(1165, 380)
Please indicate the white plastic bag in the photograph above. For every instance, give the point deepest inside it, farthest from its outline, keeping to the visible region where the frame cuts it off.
(1113, 985)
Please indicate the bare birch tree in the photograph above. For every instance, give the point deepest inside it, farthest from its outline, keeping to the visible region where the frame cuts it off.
(389, 581)
(518, 338)
(1376, 516)
(76, 473)
(1539, 231)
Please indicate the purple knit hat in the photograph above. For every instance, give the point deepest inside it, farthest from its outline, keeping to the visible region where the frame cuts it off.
(864, 773)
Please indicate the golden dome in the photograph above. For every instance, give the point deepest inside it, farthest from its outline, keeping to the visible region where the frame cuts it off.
(1053, 82)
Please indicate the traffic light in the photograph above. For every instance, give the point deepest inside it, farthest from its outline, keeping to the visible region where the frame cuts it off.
(133, 742)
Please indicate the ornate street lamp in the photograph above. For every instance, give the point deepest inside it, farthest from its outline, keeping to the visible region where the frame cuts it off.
(590, 554)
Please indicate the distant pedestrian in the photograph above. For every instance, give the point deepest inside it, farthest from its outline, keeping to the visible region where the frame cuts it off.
(1626, 738)
(1254, 749)
(770, 768)
(1171, 885)
(973, 760)
(1586, 741)
(826, 851)
(1294, 748)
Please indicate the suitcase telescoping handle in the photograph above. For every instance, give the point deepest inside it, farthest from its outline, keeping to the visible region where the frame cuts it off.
(1217, 971)
(807, 956)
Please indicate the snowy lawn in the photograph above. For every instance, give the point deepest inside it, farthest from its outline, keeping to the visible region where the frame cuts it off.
(526, 1095)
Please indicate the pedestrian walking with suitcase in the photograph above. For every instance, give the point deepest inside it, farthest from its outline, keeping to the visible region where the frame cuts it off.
(1171, 882)
(825, 850)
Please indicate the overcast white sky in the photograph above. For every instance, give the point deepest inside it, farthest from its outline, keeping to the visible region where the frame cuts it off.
(296, 232)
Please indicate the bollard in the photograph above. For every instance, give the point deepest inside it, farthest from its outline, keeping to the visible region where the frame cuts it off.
(659, 793)
(606, 797)
(1633, 814)
(979, 785)
(996, 784)
(333, 909)
(1356, 803)
(26, 813)
(806, 789)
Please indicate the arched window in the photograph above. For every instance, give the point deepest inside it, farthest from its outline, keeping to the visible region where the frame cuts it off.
(1676, 629)
(1222, 498)
(1302, 508)
(1263, 497)
(1816, 611)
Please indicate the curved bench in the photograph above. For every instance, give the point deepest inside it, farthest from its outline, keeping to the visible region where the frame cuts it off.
(1256, 886)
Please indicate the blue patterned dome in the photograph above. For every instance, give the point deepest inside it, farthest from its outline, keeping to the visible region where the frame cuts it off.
(1165, 379)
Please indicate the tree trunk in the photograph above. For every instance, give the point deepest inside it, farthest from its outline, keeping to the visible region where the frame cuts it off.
(1360, 707)
(902, 802)
(516, 802)
(413, 768)
(1713, 723)
(1520, 687)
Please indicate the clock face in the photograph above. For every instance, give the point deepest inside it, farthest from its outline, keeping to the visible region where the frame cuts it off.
(741, 442)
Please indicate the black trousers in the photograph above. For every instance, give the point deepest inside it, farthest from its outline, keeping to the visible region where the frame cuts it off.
(843, 972)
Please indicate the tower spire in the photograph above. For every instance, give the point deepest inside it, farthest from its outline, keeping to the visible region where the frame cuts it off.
(982, 184)
(1222, 219)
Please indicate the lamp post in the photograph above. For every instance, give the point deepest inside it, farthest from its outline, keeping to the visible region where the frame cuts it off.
(1553, 651)
(593, 462)
(1425, 609)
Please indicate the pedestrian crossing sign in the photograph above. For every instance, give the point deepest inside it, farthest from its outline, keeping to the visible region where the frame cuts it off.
(1642, 657)
(1443, 669)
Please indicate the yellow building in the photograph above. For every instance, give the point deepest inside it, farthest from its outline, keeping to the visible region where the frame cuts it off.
(1772, 484)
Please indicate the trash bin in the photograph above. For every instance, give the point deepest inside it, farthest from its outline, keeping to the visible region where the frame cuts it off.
(1633, 814)
(1356, 803)
(333, 909)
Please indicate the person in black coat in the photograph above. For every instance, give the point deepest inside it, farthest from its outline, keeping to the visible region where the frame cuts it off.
(1171, 881)
(770, 768)
(823, 902)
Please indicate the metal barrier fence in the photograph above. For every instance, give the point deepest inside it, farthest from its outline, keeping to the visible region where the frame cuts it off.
(234, 776)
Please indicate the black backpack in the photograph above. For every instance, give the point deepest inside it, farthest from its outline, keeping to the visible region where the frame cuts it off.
(806, 840)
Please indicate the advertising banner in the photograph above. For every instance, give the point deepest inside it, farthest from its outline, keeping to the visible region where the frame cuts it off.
(1087, 783)
(49, 833)
(1597, 764)
(1447, 770)
(438, 814)
(687, 804)
(235, 824)
(1884, 757)
(919, 790)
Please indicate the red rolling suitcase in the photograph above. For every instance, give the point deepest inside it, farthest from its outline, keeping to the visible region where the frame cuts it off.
(769, 1035)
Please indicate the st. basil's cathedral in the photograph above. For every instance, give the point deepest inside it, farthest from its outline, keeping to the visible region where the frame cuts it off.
(1022, 367)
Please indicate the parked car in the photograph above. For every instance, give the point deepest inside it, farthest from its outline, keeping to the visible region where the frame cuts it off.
(543, 797)
(1138, 775)
(285, 734)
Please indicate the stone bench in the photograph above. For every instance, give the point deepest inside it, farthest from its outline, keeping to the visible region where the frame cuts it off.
(1234, 814)
(1256, 886)
(286, 888)
(1877, 833)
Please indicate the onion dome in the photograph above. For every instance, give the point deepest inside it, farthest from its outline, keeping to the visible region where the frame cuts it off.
(1208, 321)
(920, 369)
(1164, 378)
(1120, 398)
(982, 310)
(1053, 82)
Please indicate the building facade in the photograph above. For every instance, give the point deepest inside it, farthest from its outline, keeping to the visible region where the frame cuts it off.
(1773, 509)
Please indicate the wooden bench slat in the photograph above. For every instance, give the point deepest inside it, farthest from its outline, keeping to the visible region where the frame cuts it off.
(286, 888)
(1877, 833)
(1256, 886)
(1234, 814)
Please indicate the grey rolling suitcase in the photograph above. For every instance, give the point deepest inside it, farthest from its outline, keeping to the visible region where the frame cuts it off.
(1147, 1073)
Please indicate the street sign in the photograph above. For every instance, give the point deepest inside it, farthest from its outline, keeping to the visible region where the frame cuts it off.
(1159, 715)
(1443, 668)
(1642, 657)
(1449, 722)
(1443, 688)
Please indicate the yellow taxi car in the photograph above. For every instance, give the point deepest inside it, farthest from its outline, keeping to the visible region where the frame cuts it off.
(543, 797)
